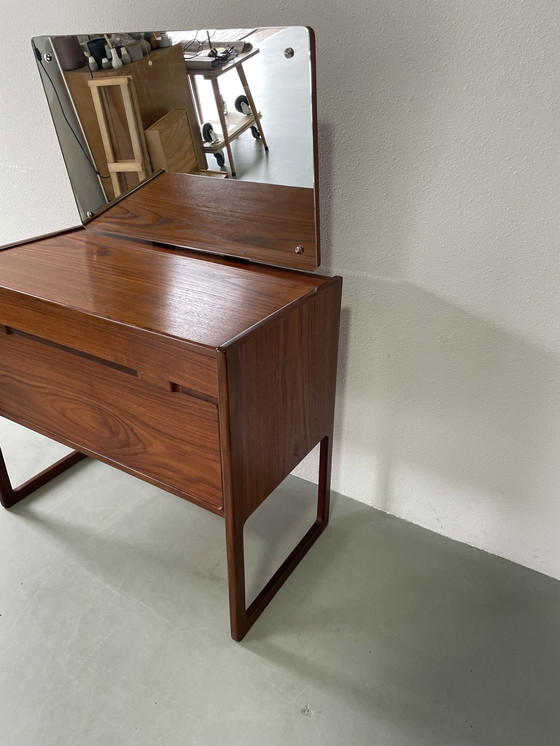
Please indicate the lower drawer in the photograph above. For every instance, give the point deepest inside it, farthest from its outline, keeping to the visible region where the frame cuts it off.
(169, 437)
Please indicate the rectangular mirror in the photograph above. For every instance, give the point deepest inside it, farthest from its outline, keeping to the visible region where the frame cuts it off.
(161, 130)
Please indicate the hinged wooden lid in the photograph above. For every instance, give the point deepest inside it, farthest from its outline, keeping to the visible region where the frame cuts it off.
(262, 222)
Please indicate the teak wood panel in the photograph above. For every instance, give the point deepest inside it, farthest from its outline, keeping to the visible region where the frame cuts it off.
(199, 300)
(281, 380)
(275, 373)
(263, 222)
(148, 353)
(170, 437)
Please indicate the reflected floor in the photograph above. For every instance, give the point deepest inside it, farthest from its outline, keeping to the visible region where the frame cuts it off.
(114, 625)
(280, 88)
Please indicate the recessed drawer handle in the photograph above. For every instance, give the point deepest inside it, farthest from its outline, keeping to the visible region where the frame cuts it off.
(71, 350)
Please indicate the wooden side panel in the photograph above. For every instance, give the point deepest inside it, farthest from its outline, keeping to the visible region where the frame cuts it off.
(171, 438)
(281, 380)
(144, 351)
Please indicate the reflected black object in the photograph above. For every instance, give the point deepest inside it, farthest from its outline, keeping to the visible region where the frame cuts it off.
(97, 50)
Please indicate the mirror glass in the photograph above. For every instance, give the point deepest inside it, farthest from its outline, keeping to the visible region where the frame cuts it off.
(235, 104)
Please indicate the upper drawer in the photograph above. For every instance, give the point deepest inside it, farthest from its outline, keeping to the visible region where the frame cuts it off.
(168, 437)
(152, 356)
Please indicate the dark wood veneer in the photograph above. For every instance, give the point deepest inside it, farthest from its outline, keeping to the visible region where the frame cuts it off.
(207, 377)
(107, 411)
(286, 362)
(263, 222)
(185, 297)
(289, 363)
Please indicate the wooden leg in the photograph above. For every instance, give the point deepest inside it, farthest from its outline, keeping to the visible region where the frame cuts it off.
(242, 618)
(245, 84)
(223, 123)
(10, 496)
(196, 97)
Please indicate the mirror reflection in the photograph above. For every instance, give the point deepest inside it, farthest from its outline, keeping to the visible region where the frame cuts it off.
(231, 104)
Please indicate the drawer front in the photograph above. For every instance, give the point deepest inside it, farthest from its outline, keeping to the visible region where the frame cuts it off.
(147, 353)
(168, 436)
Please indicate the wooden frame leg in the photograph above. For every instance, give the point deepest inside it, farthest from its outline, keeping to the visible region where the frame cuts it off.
(245, 84)
(242, 618)
(223, 123)
(10, 496)
(196, 99)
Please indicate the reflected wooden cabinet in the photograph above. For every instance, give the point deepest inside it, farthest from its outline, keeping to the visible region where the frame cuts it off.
(161, 84)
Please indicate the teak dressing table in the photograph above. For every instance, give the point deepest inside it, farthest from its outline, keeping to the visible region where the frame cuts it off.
(209, 376)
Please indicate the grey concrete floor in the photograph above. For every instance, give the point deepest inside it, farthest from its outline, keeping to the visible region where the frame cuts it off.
(114, 625)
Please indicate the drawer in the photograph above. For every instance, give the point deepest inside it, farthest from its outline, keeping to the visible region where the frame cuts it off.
(169, 437)
(147, 353)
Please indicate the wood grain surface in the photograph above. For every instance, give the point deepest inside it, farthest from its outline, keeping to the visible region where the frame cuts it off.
(147, 353)
(208, 377)
(263, 222)
(277, 388)
(281, 381)
(170, 437)
(188, 297)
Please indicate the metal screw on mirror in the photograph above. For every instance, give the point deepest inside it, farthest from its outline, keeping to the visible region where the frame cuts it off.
(89, 214)
(299, 249)
(47, 57)
(289, 53)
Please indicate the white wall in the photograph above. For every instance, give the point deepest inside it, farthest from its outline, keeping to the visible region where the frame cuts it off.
(440, 197)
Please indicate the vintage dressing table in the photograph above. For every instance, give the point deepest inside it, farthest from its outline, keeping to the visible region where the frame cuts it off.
(155, 339)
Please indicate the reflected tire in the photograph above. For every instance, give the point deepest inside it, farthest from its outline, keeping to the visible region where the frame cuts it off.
(241, 100)
(207, 131)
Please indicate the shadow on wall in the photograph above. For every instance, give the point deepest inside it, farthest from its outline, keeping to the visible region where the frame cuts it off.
(435, 387)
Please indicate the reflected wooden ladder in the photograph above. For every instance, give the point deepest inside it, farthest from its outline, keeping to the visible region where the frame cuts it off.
(140, 163)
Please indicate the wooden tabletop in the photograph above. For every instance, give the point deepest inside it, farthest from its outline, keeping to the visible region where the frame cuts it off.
(204, 300)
